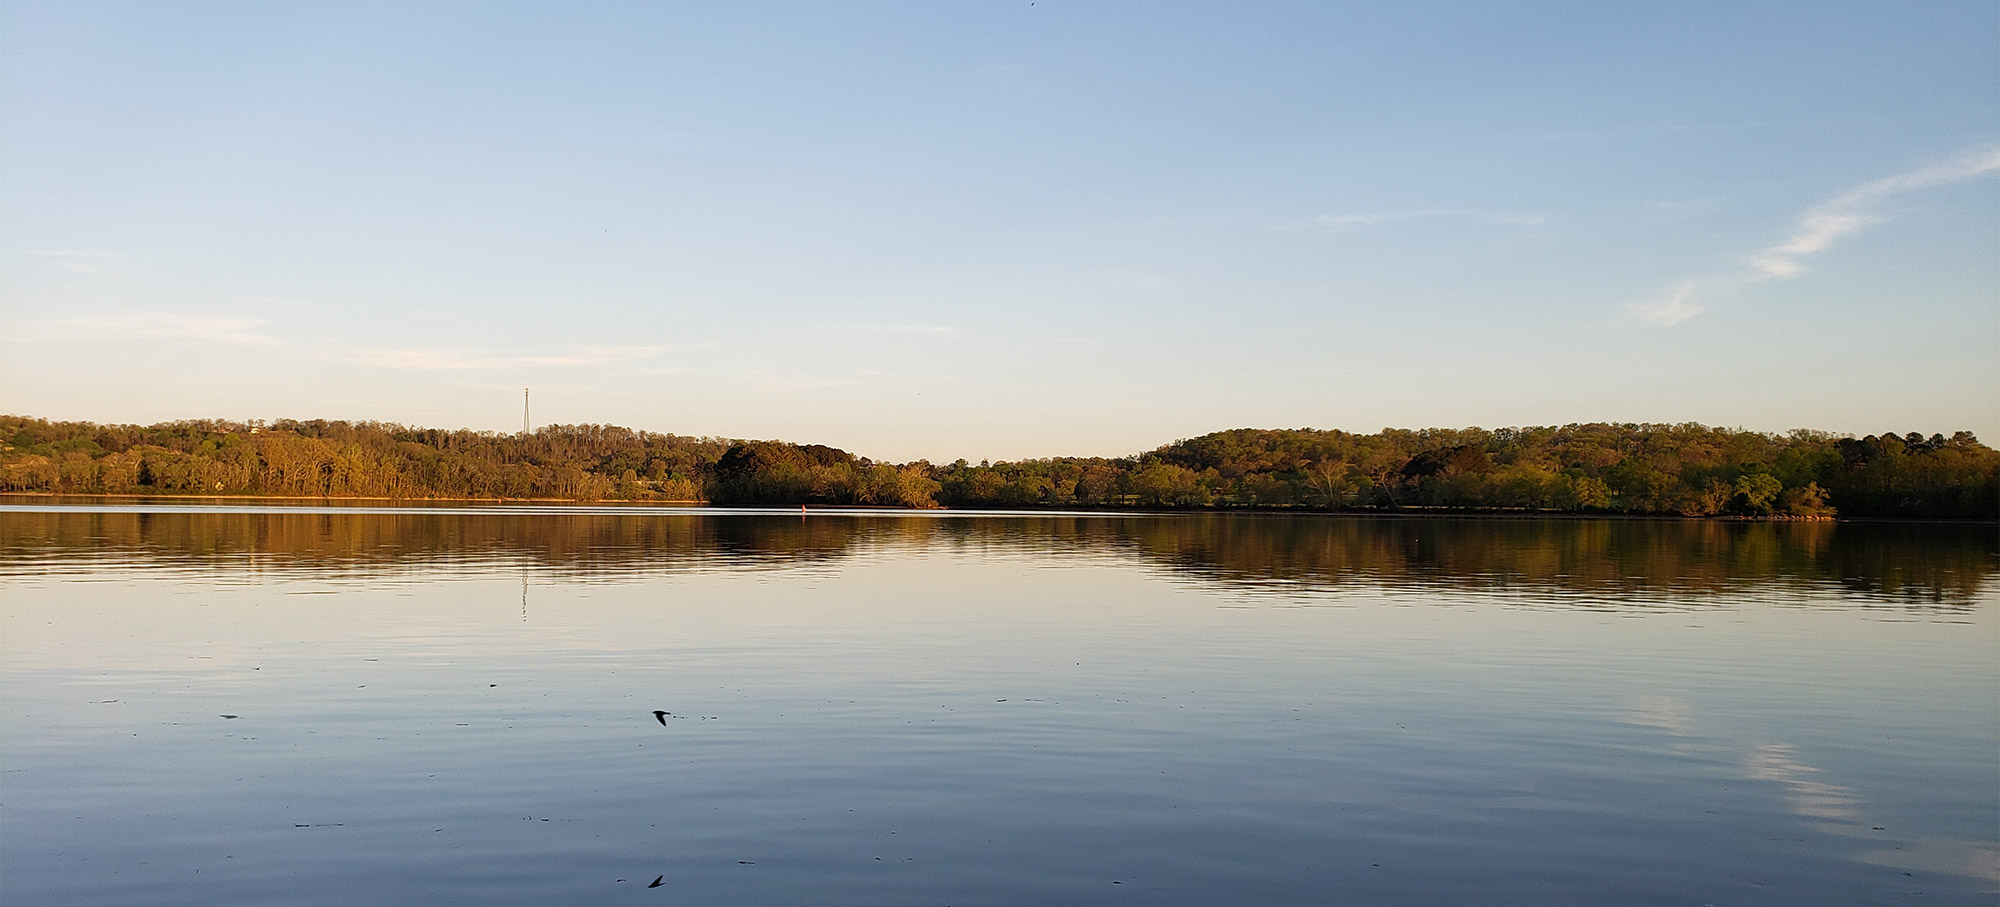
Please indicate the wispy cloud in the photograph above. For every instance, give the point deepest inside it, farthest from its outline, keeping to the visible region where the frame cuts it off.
(1849, 212)
(187, 327)
(95, 262)
(1370, 219)
(1817, 230)
(1670, 311)
(460, 359)
(151, 325)
(1816, 233)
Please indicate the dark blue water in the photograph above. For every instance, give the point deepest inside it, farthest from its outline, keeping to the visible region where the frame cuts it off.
(456, 706)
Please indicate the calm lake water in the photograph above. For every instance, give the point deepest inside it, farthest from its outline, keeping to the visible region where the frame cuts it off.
(349, 705)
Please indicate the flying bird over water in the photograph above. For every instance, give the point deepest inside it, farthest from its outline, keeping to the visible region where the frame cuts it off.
(656, 882)
(661, 717)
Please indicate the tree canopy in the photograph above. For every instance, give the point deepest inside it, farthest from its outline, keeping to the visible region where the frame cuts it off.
(1685, 469)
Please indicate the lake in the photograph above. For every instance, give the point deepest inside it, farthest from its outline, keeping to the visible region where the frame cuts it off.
(254, 704)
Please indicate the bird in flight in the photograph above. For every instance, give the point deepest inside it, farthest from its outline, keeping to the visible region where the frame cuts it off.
(656, 882)
(661, 717)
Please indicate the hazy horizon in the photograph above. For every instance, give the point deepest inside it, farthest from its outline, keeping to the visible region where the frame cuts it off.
(1003, 230)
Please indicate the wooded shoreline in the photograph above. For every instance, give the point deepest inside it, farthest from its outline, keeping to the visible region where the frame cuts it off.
(1595, 469)
(1029, 510)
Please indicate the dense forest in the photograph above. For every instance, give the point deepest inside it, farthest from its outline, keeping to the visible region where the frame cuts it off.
(1687, 469)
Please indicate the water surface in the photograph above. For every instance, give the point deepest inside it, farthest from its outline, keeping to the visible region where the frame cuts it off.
(455, 705)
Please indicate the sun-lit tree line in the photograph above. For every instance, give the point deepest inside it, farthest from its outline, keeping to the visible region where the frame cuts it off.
(1686, 469)
(321, 458)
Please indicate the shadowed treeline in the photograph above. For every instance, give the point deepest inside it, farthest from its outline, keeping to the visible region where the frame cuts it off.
(1600, 562)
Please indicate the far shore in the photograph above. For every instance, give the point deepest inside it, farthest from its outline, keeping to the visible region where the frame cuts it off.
(1590, 470)
(336, 497)
(1417, 511)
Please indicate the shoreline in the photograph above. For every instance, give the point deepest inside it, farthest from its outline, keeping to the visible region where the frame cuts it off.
(1402, 512)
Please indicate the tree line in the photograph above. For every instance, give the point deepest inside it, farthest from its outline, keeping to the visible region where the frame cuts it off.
(1631, 468)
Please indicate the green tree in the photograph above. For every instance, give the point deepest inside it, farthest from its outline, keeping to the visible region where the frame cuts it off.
(1757, 493)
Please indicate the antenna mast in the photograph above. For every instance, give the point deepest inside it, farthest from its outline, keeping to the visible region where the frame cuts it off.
(524, 412)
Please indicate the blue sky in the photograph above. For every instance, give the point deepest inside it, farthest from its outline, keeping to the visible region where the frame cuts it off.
(1003, 230)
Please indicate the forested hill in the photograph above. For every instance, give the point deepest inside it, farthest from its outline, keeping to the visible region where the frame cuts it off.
(1685, 469)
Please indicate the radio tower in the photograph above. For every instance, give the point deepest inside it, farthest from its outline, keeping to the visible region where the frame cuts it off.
(524, 412)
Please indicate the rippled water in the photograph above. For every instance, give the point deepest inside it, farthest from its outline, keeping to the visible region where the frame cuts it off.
(340, 705)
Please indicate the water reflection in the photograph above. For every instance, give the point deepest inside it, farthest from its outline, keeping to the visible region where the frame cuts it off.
(896, 709)
(1831, 808)
(1809, 797)
(1936, 568)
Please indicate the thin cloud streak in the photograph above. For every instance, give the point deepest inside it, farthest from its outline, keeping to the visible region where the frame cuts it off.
(95, 262)
(1818, 229)
(1847, 212)
(238, 330)
(152, 325)
(1668, 312)
(1816, 233)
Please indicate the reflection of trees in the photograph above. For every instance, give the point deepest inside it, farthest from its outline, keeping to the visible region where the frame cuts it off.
(571, 544)
(1917, 565)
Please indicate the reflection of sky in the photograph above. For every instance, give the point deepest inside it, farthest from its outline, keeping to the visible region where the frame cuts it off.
(1465, 732)
(1778, 762)
(1834, 808)
(1838, 808)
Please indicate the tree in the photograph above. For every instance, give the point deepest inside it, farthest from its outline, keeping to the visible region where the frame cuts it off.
(1757, 492)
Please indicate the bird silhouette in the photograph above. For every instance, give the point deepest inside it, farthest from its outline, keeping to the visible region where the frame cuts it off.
(661, 717)
(656, 882)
